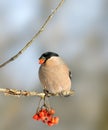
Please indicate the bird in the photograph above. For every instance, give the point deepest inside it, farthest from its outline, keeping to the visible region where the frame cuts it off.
(54, 74)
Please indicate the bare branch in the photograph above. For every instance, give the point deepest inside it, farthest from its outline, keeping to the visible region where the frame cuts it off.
(35, 36)
(15, 92)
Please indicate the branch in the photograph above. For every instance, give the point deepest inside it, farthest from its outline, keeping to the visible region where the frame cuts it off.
(35, 36)
(18, 93)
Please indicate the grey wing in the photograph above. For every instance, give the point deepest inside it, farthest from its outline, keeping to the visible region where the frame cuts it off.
(70, 75)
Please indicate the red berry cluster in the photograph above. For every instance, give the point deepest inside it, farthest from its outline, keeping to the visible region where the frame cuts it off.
(46, 116)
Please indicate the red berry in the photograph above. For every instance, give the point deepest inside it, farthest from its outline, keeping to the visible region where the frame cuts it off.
(41, 114)
(50, 123)
(52, 120)
(36, 117)
(43, 118)
(49, 117)
(56, 120)
(44, 110)
(51, 111)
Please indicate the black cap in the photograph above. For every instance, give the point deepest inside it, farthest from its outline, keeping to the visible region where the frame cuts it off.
(48, 55)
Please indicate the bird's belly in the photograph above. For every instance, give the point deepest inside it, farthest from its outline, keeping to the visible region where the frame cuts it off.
(55, 81)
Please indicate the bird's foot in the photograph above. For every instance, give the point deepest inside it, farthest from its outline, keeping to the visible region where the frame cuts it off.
(66, 93)
(47, 93)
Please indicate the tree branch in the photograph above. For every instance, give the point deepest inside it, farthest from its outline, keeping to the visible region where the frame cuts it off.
(15, 92)
(35, 36)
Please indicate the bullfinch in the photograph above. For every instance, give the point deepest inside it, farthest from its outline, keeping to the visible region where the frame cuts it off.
(54, 74)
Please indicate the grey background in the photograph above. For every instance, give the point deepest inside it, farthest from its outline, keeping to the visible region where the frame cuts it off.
(79, 34)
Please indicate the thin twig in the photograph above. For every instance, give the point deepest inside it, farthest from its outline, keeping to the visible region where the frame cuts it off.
(35, 36)
(15, 92)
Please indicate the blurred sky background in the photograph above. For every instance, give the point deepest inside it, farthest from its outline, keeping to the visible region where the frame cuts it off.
(79, 34)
